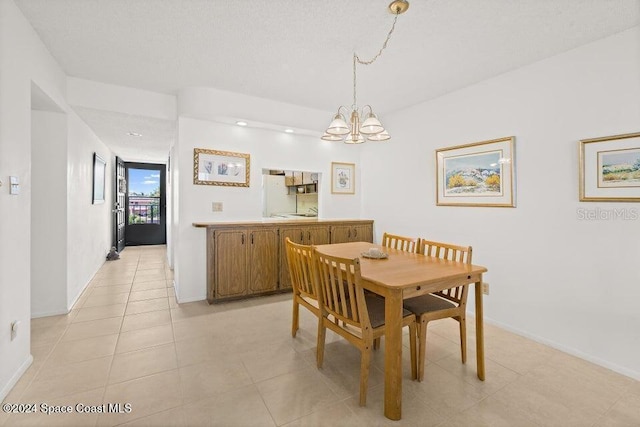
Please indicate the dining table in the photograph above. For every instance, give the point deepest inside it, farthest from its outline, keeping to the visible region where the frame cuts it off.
(403, 275)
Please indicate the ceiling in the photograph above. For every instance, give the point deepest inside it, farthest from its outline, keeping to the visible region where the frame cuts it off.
(300, 52)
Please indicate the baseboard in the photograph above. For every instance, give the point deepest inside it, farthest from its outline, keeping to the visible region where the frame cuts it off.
(569, 350)
(49, 313)
(16, 377)
(190, 299)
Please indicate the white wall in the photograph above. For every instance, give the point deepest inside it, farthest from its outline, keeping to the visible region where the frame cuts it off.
(89, 226)
(48, 213)
(23, 58)
(569, 283)
(268, 150)
(24, 61)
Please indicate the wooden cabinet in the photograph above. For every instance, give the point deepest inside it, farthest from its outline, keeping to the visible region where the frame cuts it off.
(316, 235)
(292, 178)
(263, 260)
(230, 264)
(246, 259)
(352, 233)
(245, 262)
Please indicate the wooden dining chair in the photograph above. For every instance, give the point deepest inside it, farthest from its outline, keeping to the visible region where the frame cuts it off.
(402, 243)
(360, 316)
(407, 244)
(441, 305)
(304, 291)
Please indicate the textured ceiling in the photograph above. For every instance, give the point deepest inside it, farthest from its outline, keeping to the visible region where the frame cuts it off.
(112, 128)
(300, 51)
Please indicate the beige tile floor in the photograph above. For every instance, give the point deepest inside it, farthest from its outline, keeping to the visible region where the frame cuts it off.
(235, 364)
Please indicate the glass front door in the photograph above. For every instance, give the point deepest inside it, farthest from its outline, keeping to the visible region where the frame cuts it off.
(145, 204)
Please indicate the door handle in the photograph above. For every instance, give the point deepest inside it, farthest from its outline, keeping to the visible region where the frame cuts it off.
(349, 235)
(243, 239)
(302, 237)
(355, 232)
(252, 238)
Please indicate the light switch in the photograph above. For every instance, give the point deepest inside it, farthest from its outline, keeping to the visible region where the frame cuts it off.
(15, 185)
(216, 206)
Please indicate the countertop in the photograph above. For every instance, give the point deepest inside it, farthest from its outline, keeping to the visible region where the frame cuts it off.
(284, 221)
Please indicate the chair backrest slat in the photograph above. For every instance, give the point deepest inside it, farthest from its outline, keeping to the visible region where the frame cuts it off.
(449, 252)
(299, 260)
(407, 244)
(340, 290)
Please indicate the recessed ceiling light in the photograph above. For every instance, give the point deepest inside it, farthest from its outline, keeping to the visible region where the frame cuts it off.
(288, 130)
(134, 134)
(241, 123)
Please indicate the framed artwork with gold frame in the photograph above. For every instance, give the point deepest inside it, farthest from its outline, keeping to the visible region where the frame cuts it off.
(214, 167)
(343, 178)
(610, 168)
(477, 174)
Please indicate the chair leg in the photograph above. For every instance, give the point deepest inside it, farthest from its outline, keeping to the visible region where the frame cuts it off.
(365, 362)
(422, 346)
(321, 338)
(295, 323)
(413, 331)
(463, 338)
(376, 343)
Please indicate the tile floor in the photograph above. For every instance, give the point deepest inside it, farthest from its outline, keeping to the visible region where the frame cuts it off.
(235, 364)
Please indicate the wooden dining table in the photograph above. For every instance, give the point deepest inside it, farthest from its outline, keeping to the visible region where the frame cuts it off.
(404, 275)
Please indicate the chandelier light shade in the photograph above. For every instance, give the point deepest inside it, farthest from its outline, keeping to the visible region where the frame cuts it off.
(338, 126)
(357, 130)
(371, 125)
(329, 137)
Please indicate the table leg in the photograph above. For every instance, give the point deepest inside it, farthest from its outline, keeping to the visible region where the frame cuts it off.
(393, 356)
(479, 331)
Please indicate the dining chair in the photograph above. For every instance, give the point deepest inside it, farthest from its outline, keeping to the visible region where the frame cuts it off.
(361, 317)
(407, 244)
(441, 305)
(304, 292)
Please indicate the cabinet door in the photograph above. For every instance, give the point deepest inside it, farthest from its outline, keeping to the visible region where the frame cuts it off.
(230, 263)
(263, 260)
(296, 235)
(317, 236)
(341, 233)
(297, 178)
(362, 233)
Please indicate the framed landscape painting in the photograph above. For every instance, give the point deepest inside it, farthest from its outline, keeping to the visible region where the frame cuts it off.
(213, 167)
(477, 174)
(610, 168)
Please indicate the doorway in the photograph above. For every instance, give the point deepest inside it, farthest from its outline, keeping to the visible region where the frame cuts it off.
(145, 202)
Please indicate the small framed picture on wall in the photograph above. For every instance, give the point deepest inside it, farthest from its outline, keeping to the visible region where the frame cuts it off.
(343, 178)
(99, 169)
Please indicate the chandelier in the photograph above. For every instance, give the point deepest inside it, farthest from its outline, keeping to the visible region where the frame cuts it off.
(357, 131)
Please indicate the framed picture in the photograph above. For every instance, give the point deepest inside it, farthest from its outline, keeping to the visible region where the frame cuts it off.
(343, 176)
(478, 174)
(610, 168)
(213, 167)
(99, 168)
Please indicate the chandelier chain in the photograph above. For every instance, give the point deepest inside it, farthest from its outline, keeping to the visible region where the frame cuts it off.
(384, 45)
(356, 58)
